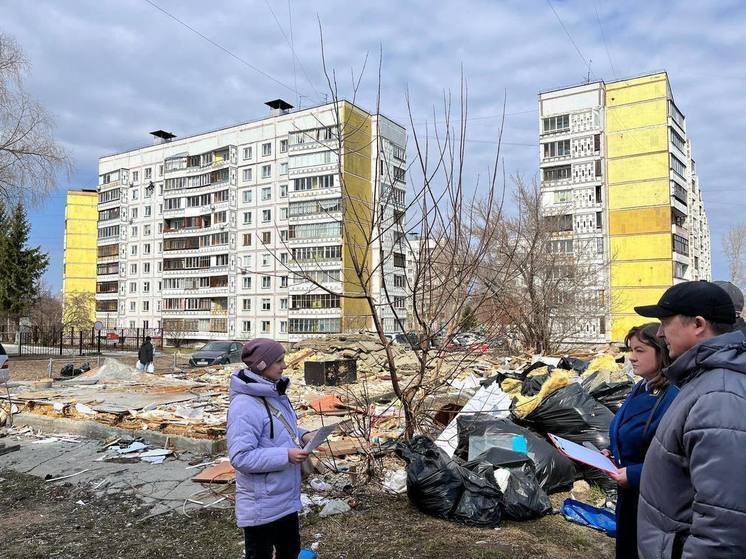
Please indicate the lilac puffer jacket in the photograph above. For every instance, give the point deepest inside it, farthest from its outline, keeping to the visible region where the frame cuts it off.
(267, 484)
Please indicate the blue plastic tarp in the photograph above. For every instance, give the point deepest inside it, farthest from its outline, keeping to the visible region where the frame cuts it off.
(588, 515)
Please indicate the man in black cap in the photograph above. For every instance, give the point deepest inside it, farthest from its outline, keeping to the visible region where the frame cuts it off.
(692, 498)
(736, 295)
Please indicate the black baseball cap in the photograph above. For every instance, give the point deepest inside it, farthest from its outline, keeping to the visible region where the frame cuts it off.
(693, 298)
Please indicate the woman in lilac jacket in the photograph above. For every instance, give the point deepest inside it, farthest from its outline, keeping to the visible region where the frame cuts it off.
(265, 448)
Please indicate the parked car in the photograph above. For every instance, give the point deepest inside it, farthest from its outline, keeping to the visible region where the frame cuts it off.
(219, 352)
(4, 364)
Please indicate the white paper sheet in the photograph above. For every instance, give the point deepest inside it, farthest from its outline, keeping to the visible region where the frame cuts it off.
(319, 437)
(582, 454)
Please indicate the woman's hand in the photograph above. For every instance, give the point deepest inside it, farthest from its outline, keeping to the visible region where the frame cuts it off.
(606, 452)
(620, 477)
(296, 455)
(307, 437)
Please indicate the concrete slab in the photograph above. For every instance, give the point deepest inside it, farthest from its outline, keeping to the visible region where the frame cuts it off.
(95, 430)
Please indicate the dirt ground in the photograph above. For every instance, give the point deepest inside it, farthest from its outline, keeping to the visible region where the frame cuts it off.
(26, 368)
(42, 520)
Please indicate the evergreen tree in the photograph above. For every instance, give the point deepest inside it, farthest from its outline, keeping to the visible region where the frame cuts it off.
(21, 267)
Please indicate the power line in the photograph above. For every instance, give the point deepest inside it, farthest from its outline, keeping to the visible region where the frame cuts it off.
(603, 38)
(221, 47)
(569, 36)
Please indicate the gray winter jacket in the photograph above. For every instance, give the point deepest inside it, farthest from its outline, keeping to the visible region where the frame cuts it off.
(693, 491)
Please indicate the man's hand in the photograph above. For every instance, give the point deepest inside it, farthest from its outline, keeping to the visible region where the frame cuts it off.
(307, 437)
(620, 477)
(296, 455)
(606, 452)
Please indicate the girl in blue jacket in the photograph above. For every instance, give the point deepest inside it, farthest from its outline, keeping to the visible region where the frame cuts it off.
(265, 448)
(633, 427)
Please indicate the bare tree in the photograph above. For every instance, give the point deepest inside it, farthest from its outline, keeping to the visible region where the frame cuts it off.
(734, 248)
(445, 282)
(46, 311)
(30, 157)
(551, 285)
(79, 310)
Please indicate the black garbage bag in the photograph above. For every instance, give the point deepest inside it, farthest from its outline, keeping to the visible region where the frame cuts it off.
(572, 413)
(67, 370)
(572, 364)
(523, 497)
(554, 471)
(434, 481)
(438, 486)
(610, 394)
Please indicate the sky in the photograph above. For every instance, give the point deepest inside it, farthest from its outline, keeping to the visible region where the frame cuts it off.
(111, 71)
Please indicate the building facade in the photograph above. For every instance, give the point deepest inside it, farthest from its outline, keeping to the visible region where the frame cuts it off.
(617, 176)
(233, 233)
(79, 262)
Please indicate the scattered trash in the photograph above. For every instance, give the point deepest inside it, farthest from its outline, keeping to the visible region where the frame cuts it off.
(134, 447)
(67, 476)
(319, 485)
(334, 506)
(395, 481)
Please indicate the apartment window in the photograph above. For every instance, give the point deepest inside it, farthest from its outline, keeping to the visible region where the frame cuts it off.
(135, 176)
(677, 140)
(680, 245)
(247, 239)
(266, 259)
(146, 230)
(133, 287)
(283, 258)
(248, 196)
(283, 281)
(133, 231)
(598, 167)
(313, 183)
(679, 270)
(266, 282)
(133, 250)
(146, 287)
(133, 306)
(398, 260)
(133, 269)
(559, 222)
(173, 203)
(557, 149)
(283, 213)
(265, 327)
(149, 173)
(314, 325)
(221, 260)
(283, 303)
(283, 191)
(283, 146)
(599, 245)
(248, 174)
(160, 170)
(266, 171)
(561, 246)
(266, 216)
(247, 218)
(314, 230)
(246, 304)
(133, 215)
(146, 248)
(248, 152)
(266, 304)
(246, 326)
(283, 169)
(266, 193)
(316, 301)
(247, 282)
(598, 194)
(283, 326)
(247, 261)
(134, 194)
(677, 166)
(556, 123)
(283, 235)
(597, 143)
(400, 281)
(562, 196)
(266, 237)
(267, 149)
(220, 197)
(560, 172)
(599, 220)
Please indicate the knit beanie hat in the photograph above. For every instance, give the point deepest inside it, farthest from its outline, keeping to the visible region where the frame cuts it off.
(260, 353)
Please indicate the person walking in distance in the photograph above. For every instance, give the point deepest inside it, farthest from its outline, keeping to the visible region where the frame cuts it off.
(265, 448)
(145, 356)
(692, 498)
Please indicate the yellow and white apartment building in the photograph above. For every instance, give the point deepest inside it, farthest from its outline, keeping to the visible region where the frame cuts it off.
(202, 235)
(79, 264)
(617, 173)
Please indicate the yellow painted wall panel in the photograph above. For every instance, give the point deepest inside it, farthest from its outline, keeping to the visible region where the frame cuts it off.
(636, 89)
(81, 255)
(73, 284)
(81, 212)
(625, 299)
(621, 324)
(637, 141)
(639, 115)
(81, 219)
(77, 270)
(357, 202)
(640, 220)
(75, 227)
(82, 241)
(638, 168)
(640, 247)
(642, 274)
(632, 195)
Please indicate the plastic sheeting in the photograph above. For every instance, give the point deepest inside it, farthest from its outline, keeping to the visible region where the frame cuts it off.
(588, 515)
(554, 471)
(489, 400)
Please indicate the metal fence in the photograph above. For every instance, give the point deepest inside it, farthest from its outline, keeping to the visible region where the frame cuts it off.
(57, 341)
